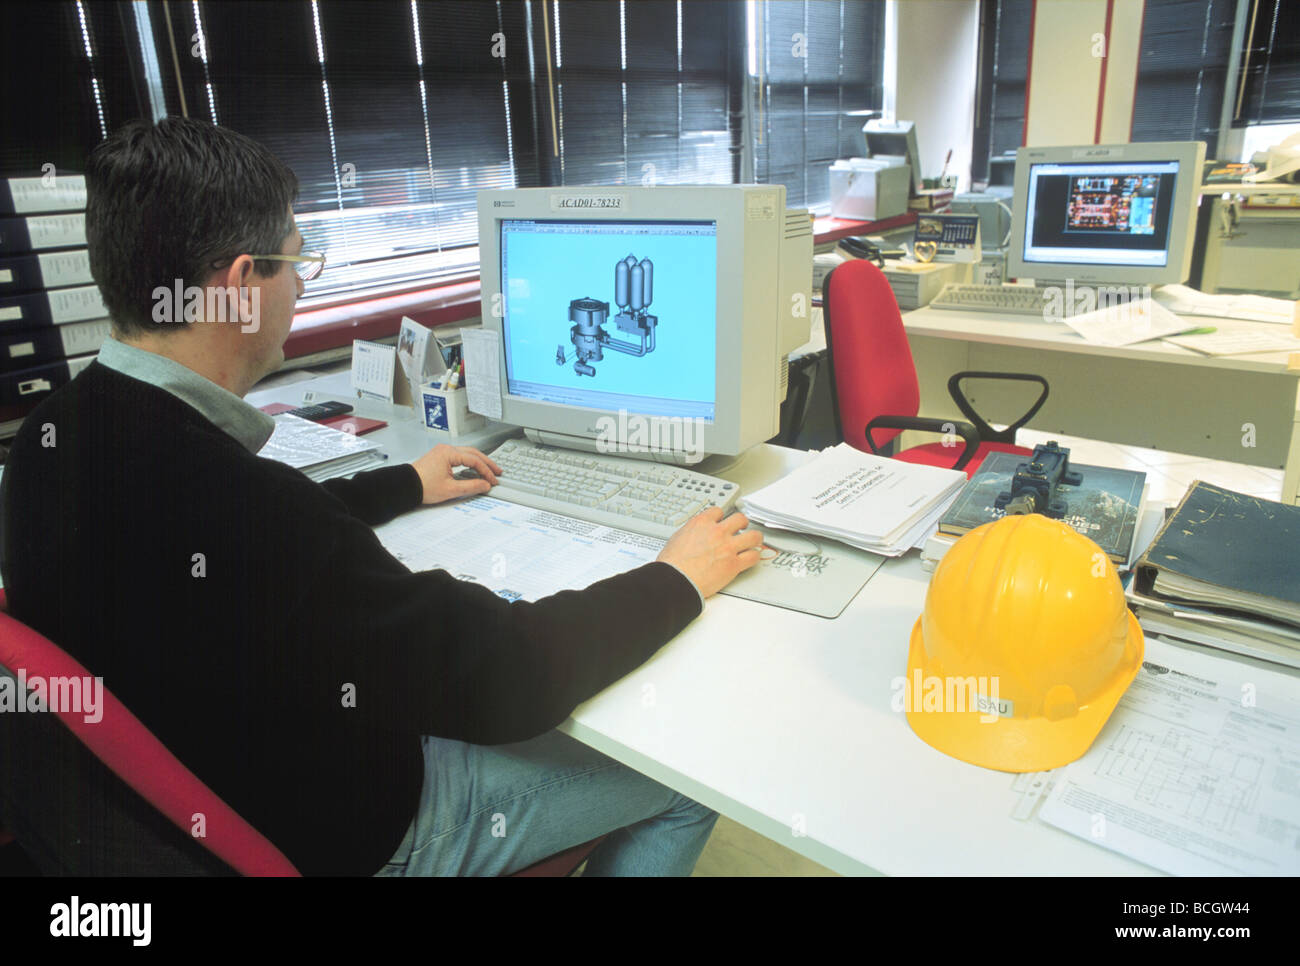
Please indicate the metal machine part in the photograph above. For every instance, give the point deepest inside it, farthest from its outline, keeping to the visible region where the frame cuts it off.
(633, 293)
(1033, 488)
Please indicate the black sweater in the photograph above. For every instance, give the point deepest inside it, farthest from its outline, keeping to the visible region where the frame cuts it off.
(242, 661)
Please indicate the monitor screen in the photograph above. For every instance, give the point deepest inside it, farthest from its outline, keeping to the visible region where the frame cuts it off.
(1101, 213)
(611, 315)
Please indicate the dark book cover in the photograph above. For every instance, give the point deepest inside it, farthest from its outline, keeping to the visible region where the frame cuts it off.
(1230, 540)
(1104, 507)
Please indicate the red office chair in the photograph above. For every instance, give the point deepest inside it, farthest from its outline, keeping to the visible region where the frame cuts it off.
(129, 787)
(128, 751)
(873, 378)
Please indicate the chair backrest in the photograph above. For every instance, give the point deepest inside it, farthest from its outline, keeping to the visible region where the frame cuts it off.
(65, 780)
(871, 369)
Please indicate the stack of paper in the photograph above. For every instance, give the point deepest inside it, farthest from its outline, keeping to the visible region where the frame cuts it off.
(1233, 341)
(319, 451)
(878, 504)
(1253, 308)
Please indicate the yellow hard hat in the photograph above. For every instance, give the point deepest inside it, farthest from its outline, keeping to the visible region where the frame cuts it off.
(1027, 616)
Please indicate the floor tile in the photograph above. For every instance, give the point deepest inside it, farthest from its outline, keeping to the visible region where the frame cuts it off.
(734, 850)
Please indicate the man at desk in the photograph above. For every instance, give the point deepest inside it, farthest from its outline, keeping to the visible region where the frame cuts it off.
(251, 619)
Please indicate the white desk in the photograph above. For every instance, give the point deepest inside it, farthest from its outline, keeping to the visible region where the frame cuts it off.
(1152, 394)
(782, 722)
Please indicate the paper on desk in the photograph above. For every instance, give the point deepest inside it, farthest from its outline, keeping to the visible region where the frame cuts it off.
(301, 443)
(1195, 773)
(482, 349)
(517, 552)
(1127, 324)
(373, 366)
(1236, 342)
(1252, 308)
(867, 501)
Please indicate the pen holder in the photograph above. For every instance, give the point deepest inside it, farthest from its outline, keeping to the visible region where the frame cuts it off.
(447, 411)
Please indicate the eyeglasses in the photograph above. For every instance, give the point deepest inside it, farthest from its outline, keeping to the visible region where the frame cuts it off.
(306, 265)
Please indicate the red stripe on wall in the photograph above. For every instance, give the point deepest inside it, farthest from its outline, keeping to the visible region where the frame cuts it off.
(1105, 60)
(1137, 68)
(1101, 84)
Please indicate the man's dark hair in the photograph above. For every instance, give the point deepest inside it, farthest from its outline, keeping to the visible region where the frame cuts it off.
(165, 201)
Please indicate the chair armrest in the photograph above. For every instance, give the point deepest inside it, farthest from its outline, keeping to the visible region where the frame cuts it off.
(929, 424)
(987, 432)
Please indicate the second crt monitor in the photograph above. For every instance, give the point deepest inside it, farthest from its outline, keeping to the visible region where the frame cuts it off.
(1120, 214)
(627, 313)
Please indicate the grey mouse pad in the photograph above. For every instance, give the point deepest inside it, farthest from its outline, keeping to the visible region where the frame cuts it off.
(809, 574)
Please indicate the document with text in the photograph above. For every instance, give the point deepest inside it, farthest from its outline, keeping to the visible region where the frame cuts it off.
(517, 552)
(1197, 772)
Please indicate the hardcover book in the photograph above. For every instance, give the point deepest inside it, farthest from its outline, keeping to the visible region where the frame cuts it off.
(1103, 507)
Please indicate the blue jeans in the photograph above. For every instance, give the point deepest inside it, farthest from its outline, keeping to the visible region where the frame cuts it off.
(493, 810)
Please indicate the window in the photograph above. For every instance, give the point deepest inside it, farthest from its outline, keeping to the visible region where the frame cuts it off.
(395, 114)
(641, 90)
(1182, 70)
(1003, 76)
(392, 115)
(1269, 89)
(79, 86)
(813, 61)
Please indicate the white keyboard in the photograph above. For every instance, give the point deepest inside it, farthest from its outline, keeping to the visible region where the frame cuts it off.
(1012, 299)
(649, 498)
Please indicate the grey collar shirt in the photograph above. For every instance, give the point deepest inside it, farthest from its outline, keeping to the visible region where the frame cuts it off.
(249, 426)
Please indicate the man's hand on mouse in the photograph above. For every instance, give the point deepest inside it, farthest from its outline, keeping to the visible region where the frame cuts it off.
(436, 468)
(711, 550)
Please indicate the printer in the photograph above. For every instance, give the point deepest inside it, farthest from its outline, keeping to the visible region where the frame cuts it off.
(876, 187)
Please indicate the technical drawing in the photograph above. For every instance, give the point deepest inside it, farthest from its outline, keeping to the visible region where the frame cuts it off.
(1200, 779)
(633, 293)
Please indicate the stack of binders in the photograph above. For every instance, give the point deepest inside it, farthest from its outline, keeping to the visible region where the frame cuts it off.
(1222, 574)
(52, 319)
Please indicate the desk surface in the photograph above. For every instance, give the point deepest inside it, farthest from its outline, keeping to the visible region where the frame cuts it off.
(782, 721)
(1030, 332)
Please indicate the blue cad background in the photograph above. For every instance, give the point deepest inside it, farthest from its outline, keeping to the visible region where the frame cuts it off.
(545, 271)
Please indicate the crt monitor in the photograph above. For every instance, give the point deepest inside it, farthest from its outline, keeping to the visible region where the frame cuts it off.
(1115, 214)
(645, 321)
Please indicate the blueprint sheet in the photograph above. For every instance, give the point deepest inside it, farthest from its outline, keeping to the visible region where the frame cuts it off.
(1196, 773)
(521, 553)
(515, 551)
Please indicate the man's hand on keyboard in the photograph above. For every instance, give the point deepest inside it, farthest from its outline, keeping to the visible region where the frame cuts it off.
(435, 468)
(711, 551)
